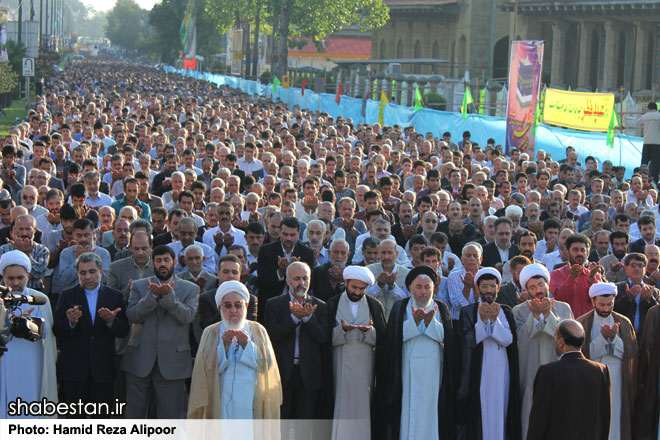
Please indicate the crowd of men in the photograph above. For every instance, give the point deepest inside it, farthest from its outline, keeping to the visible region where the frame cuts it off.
(213, 255)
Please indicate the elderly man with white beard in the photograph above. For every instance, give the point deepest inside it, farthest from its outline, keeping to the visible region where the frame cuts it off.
(315, 232)
(327, 279)
(235, 374)
(416, 387)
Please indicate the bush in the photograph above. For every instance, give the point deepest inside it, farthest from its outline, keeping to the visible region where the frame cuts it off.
(434, 100)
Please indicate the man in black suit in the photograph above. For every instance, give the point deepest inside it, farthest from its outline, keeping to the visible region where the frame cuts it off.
(327, 279)
(297, 324)
(571, 395)
(634, 297)
(501, 250)
(229, 268)
(173, 220)
(88, 318)
(458, 232)
(275, 257)
(646, 225)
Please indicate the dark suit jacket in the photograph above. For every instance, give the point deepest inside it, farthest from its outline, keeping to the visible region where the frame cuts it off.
(571, 400)
(628, 307)
(320, 284)
(492, 255)
(640, 245)
(313, 334)
(507, 295)
(458, 241)
(56, 183)
(165, 238)
(269, 284)
(88, 351)
(208, 313)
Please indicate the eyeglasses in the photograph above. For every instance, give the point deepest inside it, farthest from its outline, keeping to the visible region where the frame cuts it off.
(26, 197)
(237, 306)
(637, 265)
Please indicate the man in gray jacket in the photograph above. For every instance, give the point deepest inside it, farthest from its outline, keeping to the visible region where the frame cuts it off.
(160, 310)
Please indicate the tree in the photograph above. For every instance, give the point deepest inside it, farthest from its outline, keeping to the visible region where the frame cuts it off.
(318, 18)
(126, 24)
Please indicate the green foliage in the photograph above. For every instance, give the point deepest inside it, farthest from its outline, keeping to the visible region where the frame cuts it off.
(8, 78)
(15, 53)
(435, 100)
(126, 24)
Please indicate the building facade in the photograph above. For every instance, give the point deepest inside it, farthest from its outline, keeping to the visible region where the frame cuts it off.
(589, 44)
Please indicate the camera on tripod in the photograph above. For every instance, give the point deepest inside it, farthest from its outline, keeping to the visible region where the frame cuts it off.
(16, 325)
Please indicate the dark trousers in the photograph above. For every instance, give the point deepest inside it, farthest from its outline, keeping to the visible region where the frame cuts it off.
(169, 396)
(651, 153)
(88, 391)
(297, 403)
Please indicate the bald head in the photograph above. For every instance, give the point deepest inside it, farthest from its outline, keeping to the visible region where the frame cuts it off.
(569, 336)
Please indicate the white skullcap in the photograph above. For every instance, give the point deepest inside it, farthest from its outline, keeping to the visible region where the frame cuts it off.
(228, 287)
(359, 273)
(533, 270)
(600, 289)
(15, 258)
(488, 271)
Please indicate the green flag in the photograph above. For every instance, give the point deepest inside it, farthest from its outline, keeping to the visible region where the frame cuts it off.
(394, 89)
(467, 100)
(418, 99)
(276, 82)
(614, 122)
(482, 101)
(537, 116)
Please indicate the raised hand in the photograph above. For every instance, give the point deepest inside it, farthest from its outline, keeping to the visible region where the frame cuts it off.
(632, 292)
(594, 269)
(73, 314)
(647, 293)
(227, 337)
(576, 270)
(615, 267)
(158, 290)
(418, 314)
(484, 311)
(347, 327)
(242, 337)
(382, 279)
(108, 315)
(468, 279)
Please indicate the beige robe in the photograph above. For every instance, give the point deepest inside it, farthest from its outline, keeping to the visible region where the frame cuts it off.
(536, 346)
(354, 354)
(205, 388)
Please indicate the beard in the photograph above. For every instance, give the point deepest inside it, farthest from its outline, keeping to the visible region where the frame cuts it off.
(166, 276)
(419, 305)
(233, 324)
(603, 314)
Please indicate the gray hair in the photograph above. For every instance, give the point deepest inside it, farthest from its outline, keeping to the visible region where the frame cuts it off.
(476, 246)
(141, 223)
(339, 241)
(194, 247)
(89, 257)
(317, 222)
(297, 264)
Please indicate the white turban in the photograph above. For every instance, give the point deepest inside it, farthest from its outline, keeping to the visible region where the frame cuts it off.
(228, 287)
(488, 271)
(600, 289)
(359, 273)
(15, 258)
(533, 270)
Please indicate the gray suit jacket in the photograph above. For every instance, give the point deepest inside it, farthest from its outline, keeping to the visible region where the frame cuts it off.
(211, 281)
(124, 270)
(160, 329)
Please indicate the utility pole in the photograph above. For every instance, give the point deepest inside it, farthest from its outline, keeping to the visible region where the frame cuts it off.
(20, 20)
(41, 18)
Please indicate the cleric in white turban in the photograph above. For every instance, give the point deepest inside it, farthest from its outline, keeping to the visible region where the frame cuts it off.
(235, 374)
(488, 271)
(359, 273)
(27, 369)
(533, 271)
(602, 289)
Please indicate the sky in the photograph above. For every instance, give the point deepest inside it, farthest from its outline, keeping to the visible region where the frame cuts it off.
(106, 5)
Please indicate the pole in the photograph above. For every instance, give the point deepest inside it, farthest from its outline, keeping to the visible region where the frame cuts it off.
(41, 18)
(46, 17)
(20, 20)
(515, 21)
(490, 38)
(27, 90)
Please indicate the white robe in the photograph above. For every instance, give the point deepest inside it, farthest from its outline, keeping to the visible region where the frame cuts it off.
(27, 370)
(353, 366)
(609, 353)
(422, 359)
(238, 376)
(494, 387)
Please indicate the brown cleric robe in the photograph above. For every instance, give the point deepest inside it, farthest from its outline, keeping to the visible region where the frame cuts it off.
(628, 366)
(647, 412)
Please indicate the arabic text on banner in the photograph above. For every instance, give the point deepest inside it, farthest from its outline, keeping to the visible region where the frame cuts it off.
(578, 110)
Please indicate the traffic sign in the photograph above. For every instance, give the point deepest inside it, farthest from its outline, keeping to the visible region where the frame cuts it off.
(28, 66)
